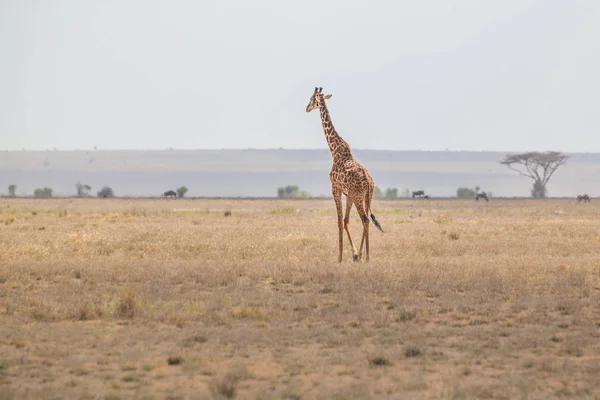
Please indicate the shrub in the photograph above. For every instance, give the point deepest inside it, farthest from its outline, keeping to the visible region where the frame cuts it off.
(106, 192)
(391, 193)
(465, 192)
(377, 192)
(82, 190)
(43, 193)
(291, 191)
(181, 191)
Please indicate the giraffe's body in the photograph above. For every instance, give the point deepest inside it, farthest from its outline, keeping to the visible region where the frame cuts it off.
(347, 177)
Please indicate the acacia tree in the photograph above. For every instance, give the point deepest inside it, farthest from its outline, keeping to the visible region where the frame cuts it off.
(536, 165)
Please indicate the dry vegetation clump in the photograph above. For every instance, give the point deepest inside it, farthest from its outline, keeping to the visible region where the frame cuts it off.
(460, 300)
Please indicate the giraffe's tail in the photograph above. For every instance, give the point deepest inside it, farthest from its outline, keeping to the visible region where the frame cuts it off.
(368, 204)
(377, 224)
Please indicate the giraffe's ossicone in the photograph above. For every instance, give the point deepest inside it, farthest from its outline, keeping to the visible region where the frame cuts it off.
(347, 177)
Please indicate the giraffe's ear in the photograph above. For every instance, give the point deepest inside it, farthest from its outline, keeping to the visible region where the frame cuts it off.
(328, 96)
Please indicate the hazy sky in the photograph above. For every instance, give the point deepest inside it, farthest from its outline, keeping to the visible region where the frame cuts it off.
(428, 74)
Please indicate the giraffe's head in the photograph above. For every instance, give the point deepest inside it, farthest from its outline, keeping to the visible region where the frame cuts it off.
(317, 100)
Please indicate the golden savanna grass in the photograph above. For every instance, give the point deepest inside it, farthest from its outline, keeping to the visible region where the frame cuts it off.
(174, 299)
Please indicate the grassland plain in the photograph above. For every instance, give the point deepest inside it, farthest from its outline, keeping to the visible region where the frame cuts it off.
(160, 299)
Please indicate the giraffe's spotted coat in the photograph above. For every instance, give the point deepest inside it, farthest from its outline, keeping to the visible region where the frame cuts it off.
(347, 177)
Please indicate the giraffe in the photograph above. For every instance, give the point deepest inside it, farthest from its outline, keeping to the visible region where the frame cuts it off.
(347, 177)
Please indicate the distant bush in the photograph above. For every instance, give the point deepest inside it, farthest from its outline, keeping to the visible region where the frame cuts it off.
(391, 193)
(181, 191)
(12, 190)
(82, 190)
(377, 192)
(106, 192)
(465, 192)
(43, 193)
(291, 191)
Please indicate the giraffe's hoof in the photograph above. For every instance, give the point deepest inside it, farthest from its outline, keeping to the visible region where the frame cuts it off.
(355, 257)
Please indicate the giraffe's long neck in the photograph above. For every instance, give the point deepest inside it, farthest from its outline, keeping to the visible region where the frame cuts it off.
(338, 146)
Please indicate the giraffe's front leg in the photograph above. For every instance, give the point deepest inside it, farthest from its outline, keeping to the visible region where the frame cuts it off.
(337, 197)
(346, 227)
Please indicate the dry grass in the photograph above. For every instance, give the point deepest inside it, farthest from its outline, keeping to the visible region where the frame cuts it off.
(179, 299)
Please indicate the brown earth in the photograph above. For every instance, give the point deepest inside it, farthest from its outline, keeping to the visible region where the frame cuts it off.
(171, 299)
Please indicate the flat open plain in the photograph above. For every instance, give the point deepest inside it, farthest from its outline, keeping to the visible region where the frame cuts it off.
(171, 299)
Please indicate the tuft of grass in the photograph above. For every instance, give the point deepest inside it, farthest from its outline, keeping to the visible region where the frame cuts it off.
(283, 210)
(126, 306)
(85, 312)
(453, 236)
(412, 351)
(406, 315)
(194, 339)
(174, 360)
(251, 313)
(379, 361)
(227, 385)
(130, 378)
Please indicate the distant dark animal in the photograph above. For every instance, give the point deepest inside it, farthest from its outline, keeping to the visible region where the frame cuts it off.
(583, 197)
(418, 193)
(482, 195)
(169, 193)
(426, 196)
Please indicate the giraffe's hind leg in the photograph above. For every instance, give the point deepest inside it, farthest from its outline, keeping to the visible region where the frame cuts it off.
(365, 236)
(346, 227)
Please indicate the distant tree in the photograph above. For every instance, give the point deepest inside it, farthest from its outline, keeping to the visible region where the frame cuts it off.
(391, 193)
(377, 192)
(43, 193)
(82, 190)
(465, 192)
(12, 190)
(406, 192)
(536, 165)
(181, 191)
(106, 192)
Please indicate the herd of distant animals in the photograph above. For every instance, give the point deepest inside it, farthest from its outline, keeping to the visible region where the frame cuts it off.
(420, 194)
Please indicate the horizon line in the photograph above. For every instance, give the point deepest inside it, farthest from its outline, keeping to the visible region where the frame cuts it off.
(169, 149)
